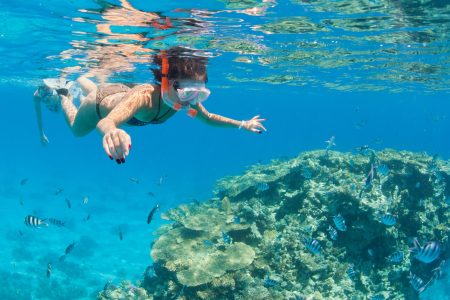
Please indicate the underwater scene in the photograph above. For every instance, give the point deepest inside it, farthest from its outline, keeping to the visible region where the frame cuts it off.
(225, 149)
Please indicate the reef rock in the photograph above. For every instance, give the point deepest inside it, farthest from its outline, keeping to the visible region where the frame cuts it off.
(249, 241)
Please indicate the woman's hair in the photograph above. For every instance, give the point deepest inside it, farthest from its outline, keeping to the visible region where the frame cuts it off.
(183, 64)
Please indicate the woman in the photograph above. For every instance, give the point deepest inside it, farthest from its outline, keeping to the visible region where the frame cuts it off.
(106, 107)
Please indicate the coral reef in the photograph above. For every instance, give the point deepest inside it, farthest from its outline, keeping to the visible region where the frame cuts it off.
(249, 241)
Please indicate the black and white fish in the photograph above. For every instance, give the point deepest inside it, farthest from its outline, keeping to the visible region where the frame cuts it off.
(369, 177)
(120, 234)
(85, 200)
(383, 170)
(262, 186)
(33, 221)
(24, 181)
(332, 232)
(69, 205)
(152, 212)
(151, 194)
(388, 219)
(351, 273)
(49, 270)
(56, 222)
(87, 218)
(108, 288)
(416, 282)
(362, 149)
(438, 272)
(330, 143)
(427, 253)
(396, 257)
(58, 191)
(312, 245)
(134, 179)
(339, 222)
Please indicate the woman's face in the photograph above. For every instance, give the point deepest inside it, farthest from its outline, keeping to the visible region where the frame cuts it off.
(189, 91)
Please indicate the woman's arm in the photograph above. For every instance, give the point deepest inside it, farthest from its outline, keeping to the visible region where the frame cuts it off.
(253, 124)
(116, 142)
(38, 110)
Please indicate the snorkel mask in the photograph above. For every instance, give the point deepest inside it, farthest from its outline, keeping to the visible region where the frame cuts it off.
(185, 97)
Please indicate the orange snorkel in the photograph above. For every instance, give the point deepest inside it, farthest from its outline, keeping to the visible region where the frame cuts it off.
(165, 87)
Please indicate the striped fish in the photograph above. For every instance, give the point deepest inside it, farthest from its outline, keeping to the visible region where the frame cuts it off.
(332, 233)
(33, 221)
(70, 248)
(383, 170)
(339, 222)
(351, 273)
(396, 257)
(388, 219)
(262, 186)
(49, 270)
(268, 282)
(312, 245)
(416, 282)
(428, 253)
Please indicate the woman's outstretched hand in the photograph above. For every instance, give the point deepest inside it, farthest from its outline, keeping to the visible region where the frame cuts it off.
(254, 124)
(44, 140)
(117, 144)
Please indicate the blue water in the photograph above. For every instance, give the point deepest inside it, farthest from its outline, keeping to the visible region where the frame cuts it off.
(409, 112)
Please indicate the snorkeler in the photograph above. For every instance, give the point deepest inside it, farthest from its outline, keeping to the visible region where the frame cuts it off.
(106, 107)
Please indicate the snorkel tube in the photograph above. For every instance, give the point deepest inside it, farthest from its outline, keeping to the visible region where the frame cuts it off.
(165, 86)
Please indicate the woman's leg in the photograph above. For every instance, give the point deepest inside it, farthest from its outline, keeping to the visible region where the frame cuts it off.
(81, 120)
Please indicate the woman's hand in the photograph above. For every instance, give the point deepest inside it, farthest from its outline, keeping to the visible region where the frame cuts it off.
(254, 124)
(44, 140)
(117, 144)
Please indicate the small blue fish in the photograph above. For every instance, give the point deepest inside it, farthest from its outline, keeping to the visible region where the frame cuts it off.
(396, 257)
(332, 233)
(417, 186)
(262, 186)
(351, 273)
(237, 220)
(428, 253)
(339, 222)
(208, 243)
(270, 282)
(226, 238)
(312, 245)
(383, 170)
(416, 282)
(377, 297)
(388, 219)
